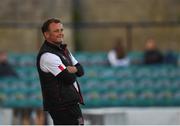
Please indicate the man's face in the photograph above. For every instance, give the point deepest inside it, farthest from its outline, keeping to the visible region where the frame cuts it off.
(3, 57)
(55, 33)
(151, 44)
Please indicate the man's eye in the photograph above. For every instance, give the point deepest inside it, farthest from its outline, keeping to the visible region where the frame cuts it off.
(57, 31)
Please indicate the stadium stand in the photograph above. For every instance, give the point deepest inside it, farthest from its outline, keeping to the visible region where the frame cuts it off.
(102, 85)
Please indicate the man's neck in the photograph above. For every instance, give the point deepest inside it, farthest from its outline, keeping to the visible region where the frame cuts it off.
(55, 43)
(58, 44)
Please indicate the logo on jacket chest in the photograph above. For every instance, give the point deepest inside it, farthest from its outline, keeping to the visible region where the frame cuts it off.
(64, 58)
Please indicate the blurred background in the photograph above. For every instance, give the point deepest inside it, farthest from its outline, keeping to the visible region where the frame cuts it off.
(129, 87)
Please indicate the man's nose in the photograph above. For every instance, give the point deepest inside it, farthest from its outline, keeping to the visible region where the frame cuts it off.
(61, 34)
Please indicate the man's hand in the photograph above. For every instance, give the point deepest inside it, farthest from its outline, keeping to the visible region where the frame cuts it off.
(71, 69)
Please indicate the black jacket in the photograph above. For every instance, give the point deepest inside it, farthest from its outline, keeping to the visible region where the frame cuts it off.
(153, 57)
(58, 91)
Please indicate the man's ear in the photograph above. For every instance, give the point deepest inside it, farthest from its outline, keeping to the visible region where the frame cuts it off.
(46, 34)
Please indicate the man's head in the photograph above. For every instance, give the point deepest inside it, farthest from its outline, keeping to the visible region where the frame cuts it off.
(3, 57)
(119, 48)
(52, 30)
(150, 44)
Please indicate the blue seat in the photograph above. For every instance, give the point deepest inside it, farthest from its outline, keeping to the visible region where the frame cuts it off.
(164, 98)
(146, 98)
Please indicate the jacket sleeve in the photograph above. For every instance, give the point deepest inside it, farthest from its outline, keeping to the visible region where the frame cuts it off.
(66, 77)
(80, 70)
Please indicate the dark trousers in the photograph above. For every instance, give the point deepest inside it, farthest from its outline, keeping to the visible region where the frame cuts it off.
(71, 115)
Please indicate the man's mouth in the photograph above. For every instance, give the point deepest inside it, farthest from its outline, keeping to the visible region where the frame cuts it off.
(60, 39)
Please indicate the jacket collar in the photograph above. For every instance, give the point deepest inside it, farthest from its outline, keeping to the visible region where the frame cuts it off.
(60, 46)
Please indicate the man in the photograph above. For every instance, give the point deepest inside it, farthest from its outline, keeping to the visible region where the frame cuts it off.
(58, 70)
(6, 69)
(152, 55)
(117, 56)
